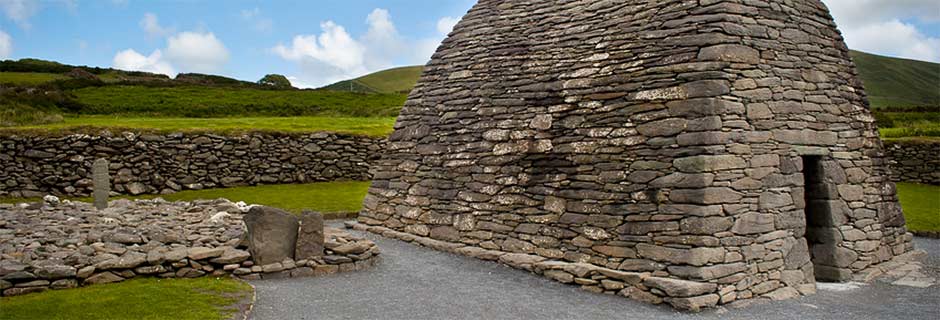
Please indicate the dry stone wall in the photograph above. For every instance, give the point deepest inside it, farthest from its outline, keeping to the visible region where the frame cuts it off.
(53, 245)
(914, 161)
(725, 145)
(33, 166)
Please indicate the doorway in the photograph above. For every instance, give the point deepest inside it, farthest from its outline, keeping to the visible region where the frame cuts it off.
(822, 231)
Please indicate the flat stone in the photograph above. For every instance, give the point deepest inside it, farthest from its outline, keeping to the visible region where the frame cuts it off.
(104, 277)
(232, 255)
(680, 288)
(127, 261)
(202, 253)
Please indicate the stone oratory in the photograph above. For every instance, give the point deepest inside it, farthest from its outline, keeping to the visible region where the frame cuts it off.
(694, 153)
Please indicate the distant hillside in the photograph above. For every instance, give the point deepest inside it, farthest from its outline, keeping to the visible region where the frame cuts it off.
(890, 82)
(397, 80)
(899, 83)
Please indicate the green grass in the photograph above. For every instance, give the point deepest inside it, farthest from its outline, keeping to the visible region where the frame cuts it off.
(908, 124)
(145, 298)
(373, 127)
(204, 102)
(325, 197)
(893, 82)
(29, 78)
(396, 80)
(921, 204)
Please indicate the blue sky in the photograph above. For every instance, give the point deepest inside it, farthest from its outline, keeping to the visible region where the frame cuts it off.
(318, 42)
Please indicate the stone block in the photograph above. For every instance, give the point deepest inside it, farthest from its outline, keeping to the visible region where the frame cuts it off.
(310, 237)
(272, 234)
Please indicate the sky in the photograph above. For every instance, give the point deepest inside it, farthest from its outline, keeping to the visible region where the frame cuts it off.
(318, 42)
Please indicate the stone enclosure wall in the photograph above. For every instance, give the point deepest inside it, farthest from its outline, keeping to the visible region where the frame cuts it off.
(725, 146)
(51, 245)
(914, 161)
(33, 166)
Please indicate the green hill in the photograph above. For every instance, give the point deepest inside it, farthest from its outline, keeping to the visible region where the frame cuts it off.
(899, 83)
(397, 80)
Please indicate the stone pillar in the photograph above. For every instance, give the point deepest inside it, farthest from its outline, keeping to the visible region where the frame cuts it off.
(272, 234)
(310, 238)
(102, 182)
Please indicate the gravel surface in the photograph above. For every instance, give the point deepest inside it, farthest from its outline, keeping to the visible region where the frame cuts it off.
(413, 282)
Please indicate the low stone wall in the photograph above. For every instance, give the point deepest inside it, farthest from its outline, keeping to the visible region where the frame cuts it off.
(914, 161)
(33, 166)
(58, 246)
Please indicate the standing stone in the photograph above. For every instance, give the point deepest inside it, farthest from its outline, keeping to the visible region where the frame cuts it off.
(102, 182)
(310, 237)
(272, 234)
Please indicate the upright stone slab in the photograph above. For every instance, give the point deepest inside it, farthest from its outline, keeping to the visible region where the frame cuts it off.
(272, 234)
(310, 238)
(101, 181)
(666, 136)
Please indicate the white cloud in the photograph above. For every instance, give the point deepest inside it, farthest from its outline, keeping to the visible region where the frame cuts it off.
(878, 26)
(185, 52)
(151, 26)
(133, 61)
(446, 24)
(19, 11)
(335, 55)
(196, 52)
(258, 21)
(894, 38)
(6, 45)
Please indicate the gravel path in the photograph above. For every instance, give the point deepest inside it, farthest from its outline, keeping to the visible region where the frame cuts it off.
(413, 282)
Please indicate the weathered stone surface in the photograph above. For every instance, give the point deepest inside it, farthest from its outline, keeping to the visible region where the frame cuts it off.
(102, 183)
(272, 234)
(310, 238)
(680, 288)
(104, 277)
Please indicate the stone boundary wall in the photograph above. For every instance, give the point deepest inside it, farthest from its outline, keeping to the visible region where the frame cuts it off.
(51, 245)
(914, 161)
(34, 166)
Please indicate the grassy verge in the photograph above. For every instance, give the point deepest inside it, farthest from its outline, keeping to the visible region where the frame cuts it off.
(374, 127)
(921, 204)
(334, 199)
(145, 298)
(202, 102)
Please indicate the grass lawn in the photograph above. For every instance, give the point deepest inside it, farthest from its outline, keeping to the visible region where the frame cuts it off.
(921, 204)
(29, 78)
(204, 102)
(325, 197)
(144, 298)
(375, 127)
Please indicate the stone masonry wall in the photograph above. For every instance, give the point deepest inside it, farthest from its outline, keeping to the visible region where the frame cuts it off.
(32, 166)
(664, 138)
(914, 161)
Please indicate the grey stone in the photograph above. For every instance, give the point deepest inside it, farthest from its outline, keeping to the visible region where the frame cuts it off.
(102, 182)
(310, 238)
(680, 288)
(272, 234)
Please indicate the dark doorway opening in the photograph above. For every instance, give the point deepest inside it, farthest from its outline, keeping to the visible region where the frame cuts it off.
(822, 233)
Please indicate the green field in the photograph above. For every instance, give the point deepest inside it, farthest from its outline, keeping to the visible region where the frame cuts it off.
(373, 127)
(325, 197)
(145, 298)
(193, 101)
(921, 204)
(28, 78)
(908, 124)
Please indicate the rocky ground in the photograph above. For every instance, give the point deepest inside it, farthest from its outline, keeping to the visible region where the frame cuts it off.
(58, 245)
